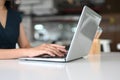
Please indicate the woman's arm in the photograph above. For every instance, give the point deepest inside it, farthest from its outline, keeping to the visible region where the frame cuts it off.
(50, 49)
(12, 53)
(25, 49)
(22, 40)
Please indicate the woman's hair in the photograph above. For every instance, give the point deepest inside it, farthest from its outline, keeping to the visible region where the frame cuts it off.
(9, 3)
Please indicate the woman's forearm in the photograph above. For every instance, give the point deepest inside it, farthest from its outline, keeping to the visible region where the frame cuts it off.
(50, 49)
(13, 53)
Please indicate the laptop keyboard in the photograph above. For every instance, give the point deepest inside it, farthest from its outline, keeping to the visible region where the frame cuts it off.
(48, 56)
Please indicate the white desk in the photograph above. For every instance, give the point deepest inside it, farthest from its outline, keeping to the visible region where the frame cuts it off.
(99, 67)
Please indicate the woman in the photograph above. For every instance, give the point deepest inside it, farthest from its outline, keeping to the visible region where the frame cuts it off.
(12, 32)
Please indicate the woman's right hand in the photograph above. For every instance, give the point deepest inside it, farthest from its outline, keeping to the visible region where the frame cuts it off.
(50, 49)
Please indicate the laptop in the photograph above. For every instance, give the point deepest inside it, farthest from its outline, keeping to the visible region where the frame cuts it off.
(81, 42)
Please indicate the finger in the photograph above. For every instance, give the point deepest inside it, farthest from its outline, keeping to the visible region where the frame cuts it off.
(58, 46)
(54, 51)
(41, 52)
(48, 52)
(63, 50)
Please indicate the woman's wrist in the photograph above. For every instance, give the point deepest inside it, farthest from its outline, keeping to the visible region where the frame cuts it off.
(29, 52)
(25, 52)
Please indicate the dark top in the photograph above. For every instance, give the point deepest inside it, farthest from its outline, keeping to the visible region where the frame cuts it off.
(9, 35)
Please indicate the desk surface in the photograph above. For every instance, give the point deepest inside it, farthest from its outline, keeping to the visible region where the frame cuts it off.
(99, 67)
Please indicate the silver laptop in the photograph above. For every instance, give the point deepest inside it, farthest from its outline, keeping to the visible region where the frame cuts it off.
(82, 39)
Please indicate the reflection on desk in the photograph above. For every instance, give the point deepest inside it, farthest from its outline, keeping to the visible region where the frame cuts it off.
(94, 67)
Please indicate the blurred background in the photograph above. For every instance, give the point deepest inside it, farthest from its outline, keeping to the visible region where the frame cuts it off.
(54, 21)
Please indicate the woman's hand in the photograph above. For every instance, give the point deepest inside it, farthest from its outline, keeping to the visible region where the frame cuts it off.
(50, 49)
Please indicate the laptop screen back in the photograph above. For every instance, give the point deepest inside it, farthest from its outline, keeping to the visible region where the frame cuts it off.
(84, 34)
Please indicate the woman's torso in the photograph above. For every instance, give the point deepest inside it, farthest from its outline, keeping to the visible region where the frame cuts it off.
(10, 33)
